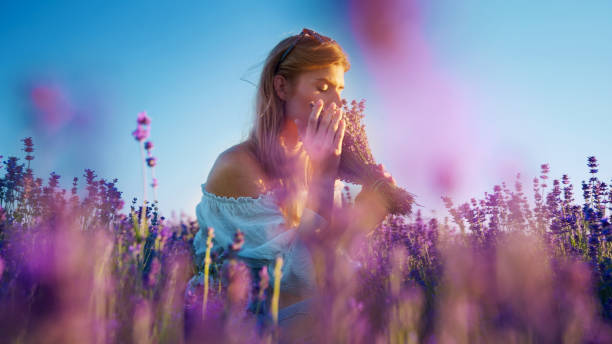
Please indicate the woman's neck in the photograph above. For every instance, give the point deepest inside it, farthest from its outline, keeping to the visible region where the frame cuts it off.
(290, 139)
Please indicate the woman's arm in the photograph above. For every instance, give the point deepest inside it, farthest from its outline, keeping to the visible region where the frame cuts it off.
(347, 223)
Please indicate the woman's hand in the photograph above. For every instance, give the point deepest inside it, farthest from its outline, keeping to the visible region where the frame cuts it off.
(323, 139)
(323, 144)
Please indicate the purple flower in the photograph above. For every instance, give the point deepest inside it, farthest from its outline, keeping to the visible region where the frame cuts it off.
(148, 145)
(53, 180)
(166, 232)
(143, 118)
(565, 179)
(544, 176)
(154, 183)
(238, 241)
(140, 134)
(586, 191)
(154, 273)
(592, 164)
(27, 142)
(357, 164)
(151, 162)
(29, 148)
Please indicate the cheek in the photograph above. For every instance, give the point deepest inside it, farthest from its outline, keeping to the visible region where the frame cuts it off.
(300, 104)
(299, 111)
(304, 105)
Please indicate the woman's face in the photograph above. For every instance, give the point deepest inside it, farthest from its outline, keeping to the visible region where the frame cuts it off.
(326, 84)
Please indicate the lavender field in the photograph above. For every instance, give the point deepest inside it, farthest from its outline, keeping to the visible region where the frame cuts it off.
(489, 221)
(80, 266)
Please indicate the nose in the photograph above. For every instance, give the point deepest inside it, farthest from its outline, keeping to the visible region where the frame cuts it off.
(336, 98)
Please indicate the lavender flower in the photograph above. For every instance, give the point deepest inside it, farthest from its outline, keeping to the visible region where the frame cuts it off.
(141, 133)
(53, 180)
(143, 118)
(415, 279)
(264, 280)
(592, 163)
(357, 165)
(238, 241)
(29, 148)
(151, 161)
(544, 174)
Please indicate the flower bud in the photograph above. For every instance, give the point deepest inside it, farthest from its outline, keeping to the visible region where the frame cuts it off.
(143, 118)
(151, 162)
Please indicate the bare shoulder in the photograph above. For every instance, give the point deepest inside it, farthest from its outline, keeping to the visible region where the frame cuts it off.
(236, 173)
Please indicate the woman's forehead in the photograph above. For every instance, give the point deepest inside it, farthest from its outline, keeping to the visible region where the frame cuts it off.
(333, 74)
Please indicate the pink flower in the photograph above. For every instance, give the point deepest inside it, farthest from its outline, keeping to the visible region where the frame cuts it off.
(148, 145)
(140, 134)
(143, 118)
(154, 183)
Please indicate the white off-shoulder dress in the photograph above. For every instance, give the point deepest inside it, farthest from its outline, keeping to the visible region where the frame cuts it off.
(266, 235)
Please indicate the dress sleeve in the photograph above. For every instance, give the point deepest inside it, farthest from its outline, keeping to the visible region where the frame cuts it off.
(265, 232)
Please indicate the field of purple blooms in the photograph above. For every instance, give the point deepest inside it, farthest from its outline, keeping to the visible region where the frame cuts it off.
(77, 267)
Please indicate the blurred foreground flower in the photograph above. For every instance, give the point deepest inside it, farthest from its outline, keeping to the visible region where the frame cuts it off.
(76, 270)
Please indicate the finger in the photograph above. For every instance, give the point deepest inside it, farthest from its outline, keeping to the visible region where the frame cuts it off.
(333, 127)
(313, 120)
(387, 175)
(384, 171)
(336, 121)
(326, 118)
(339, 137)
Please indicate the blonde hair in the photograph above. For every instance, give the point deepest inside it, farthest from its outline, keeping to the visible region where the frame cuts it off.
(306, 55)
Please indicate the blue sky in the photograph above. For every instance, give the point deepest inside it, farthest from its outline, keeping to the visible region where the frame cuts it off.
(535, 78)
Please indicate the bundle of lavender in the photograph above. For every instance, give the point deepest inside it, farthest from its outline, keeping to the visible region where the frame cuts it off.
(357, 165)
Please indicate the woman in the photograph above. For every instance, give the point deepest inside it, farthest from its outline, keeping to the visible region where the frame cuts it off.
(278, 186)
